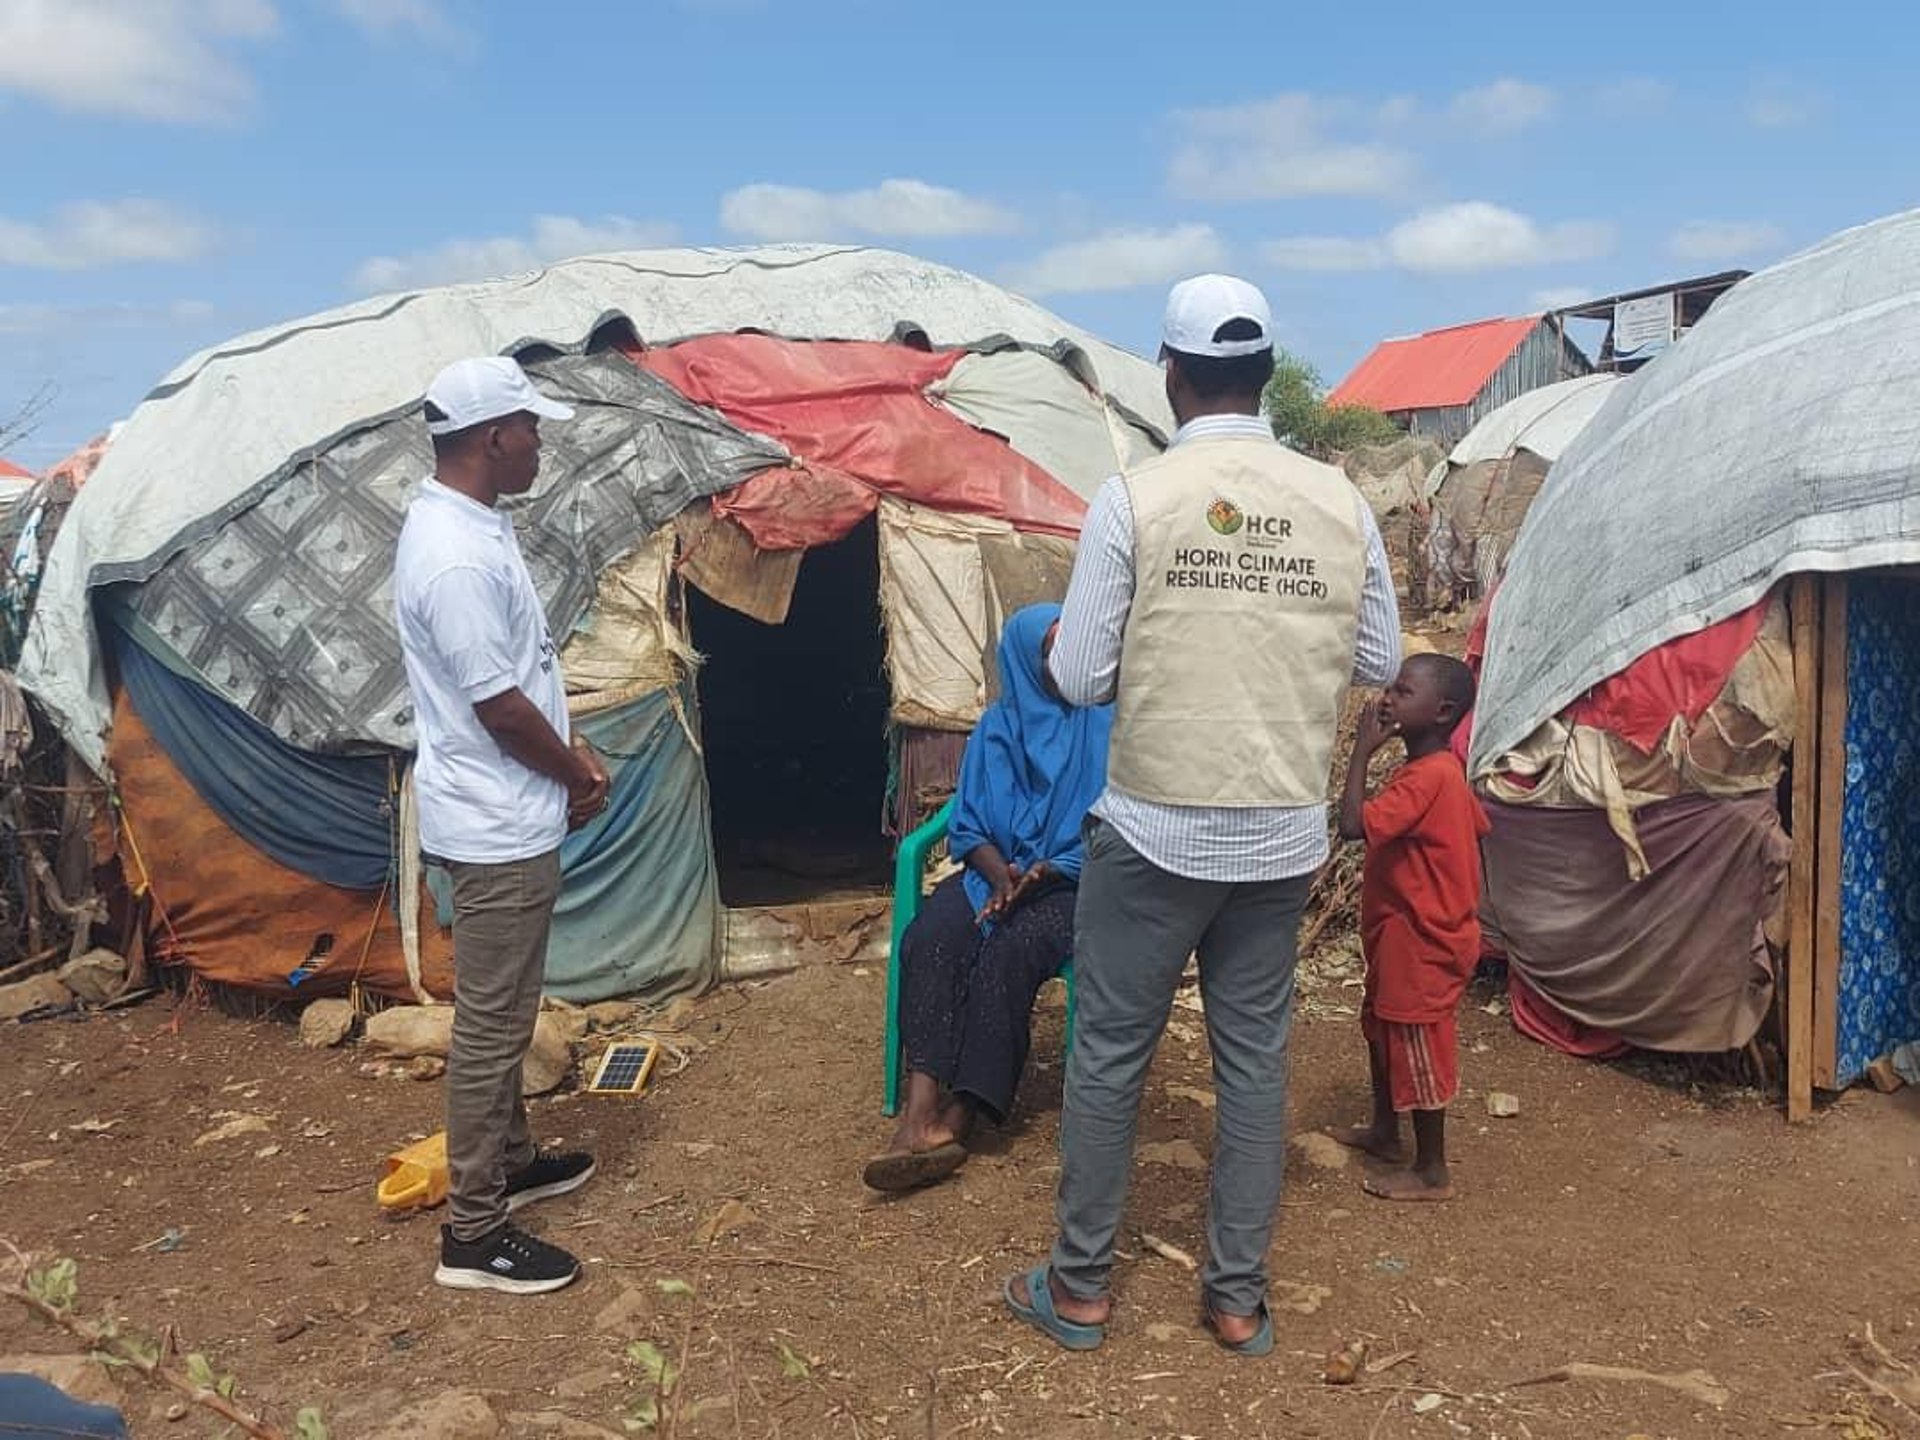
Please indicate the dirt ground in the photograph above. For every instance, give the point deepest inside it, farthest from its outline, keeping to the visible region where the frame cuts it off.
(1621, 1219)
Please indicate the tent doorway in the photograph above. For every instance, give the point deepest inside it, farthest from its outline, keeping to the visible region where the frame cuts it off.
(794, 722)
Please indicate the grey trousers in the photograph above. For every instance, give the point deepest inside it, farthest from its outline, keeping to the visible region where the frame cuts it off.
(1135, 926)
(501, 916)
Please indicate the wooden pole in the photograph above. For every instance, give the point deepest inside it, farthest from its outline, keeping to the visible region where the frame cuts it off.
(1832, 794)
(1804, 609)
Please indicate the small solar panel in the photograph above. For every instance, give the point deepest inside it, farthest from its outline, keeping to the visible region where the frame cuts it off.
(624, 1069)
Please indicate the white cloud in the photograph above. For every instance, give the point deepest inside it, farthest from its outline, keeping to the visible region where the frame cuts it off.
(1279, 149)
(1716, 240)
(94, 233)
(1781, 104)
(397, 19)
(1474, 235)
(554, 237)
(1120, 260)
(1449, 239)
(68, 319)
(1559, 297)
(893, 207)
(1324, 253)
(1633, 97)
(171, 60)
(1504, 107)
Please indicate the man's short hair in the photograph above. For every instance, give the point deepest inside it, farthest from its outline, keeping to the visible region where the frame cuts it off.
(454, 441)
(1452, 676)
(1214, 377)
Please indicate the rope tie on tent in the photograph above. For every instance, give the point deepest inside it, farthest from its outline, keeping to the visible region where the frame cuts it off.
(145, 886)
(408, 892)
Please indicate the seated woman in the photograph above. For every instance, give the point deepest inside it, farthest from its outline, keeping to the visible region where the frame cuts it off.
(989, 937)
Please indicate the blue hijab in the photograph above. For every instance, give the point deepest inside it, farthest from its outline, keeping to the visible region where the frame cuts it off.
(1032, 767)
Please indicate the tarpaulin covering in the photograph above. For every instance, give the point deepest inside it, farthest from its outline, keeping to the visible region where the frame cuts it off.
(627, 643)
(287, 609)
(1778, 436)
(328, 817)
(860, 408)
(1681, 678)
(1676, 960)
(232, 913)
(639, 907)
(947, 584)
(1695, 717)
(797, 507)
(1047, 413)
(638, 904)
(232, 423)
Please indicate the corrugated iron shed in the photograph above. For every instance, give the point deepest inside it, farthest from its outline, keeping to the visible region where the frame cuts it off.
(1436, 370)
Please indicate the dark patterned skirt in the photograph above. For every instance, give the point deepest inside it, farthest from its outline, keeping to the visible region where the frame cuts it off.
(966, 998)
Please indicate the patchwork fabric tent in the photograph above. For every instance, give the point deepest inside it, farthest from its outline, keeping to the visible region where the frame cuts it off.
(1483, 490)
(1778, 442)
(213, 628)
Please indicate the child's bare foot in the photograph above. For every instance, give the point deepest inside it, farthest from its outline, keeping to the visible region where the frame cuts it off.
(1411, 1185)
(1379, 1143)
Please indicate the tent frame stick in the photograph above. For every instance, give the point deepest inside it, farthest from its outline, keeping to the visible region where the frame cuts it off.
(1804, 607)
(1832, 791)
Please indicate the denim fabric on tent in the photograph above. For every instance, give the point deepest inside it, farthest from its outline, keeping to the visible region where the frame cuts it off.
(639, 902)
(329, 817)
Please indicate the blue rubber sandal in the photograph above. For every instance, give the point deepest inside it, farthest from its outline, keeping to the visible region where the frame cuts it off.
(1257, 1344)
(1043, 1317)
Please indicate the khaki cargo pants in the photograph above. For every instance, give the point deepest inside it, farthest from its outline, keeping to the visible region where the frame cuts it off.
(502, 914)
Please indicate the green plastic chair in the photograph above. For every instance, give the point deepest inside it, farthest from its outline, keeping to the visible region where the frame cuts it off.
(909, 875)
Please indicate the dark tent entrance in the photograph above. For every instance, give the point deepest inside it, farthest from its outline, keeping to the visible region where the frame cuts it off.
(793, 720)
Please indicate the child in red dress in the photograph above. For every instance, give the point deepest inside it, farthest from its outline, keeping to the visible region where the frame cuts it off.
(1419, 917)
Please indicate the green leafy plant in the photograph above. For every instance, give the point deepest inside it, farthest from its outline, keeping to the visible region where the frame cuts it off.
(1295, 404)
(308, 1425)
(200, 1372)
(57, 1285)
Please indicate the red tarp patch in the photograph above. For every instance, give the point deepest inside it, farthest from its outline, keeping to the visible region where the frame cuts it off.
(1682, 677)
(856, 407)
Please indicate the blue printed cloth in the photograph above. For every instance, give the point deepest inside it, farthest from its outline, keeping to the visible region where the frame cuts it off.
(1879, 985)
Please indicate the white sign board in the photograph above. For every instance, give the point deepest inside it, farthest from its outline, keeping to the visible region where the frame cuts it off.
(1642, 328)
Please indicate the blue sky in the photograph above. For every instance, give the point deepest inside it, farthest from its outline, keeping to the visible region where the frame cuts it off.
(178, 171)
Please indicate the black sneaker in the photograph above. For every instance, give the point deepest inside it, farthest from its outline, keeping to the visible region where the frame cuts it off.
(509, 1259)
(549, 1173)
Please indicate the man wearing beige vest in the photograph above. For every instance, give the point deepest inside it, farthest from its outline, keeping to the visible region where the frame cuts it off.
(1225, 597)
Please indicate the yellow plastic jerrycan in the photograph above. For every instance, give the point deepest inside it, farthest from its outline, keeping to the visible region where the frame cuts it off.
(416, 1177)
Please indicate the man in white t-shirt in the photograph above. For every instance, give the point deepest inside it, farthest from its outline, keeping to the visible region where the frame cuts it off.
(499, 784)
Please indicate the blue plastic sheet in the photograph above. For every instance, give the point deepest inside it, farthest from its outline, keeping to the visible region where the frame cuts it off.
(639, 909)
(639, 905)
(327, 816)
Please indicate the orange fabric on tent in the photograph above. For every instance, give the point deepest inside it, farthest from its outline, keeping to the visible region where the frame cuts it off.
(241, 918)
(791, 508)
(859, 407)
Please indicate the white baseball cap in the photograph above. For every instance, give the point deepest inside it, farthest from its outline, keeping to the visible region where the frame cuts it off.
(1197, 308)
(472, 392)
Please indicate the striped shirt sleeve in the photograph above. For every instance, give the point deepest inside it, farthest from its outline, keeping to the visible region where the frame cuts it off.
(1086, 656)
(1376, 642)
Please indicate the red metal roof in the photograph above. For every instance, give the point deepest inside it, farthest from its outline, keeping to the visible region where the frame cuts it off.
(1437, 369)
(11, 471)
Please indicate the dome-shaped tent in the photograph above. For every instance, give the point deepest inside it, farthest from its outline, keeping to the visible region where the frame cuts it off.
(925, 440)
(1779, 439)
(1481, 493)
